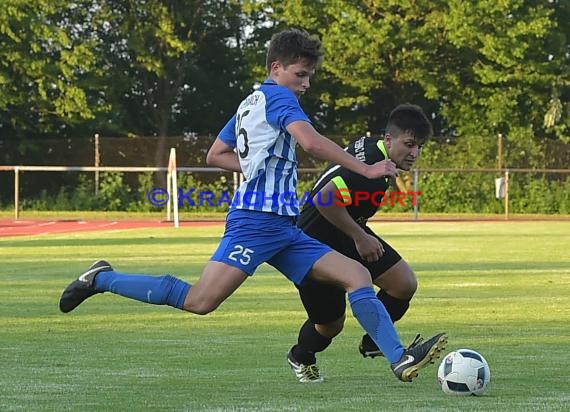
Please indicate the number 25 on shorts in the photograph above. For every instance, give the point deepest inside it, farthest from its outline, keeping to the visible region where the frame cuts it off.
(241, 254)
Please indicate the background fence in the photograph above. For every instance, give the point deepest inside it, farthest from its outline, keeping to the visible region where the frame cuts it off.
(118, 173)
(445, 190)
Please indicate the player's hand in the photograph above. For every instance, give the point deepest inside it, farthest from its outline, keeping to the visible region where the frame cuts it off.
(369, 247)
(383, 168)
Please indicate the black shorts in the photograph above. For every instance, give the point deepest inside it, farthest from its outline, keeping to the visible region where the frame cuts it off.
(325, 303)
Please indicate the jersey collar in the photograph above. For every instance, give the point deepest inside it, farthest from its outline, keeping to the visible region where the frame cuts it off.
(382, 148)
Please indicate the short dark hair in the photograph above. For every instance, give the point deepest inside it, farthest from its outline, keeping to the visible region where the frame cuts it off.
(409, 118)
(291, 45)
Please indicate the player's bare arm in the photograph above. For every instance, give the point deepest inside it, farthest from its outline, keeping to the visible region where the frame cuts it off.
(319, 146)
(368, 247)
(223, 155)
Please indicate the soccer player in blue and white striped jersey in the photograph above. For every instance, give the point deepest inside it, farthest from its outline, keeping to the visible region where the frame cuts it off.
(259, 140)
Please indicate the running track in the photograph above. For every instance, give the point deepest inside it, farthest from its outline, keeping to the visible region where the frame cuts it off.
(43, 227)
(10, 227)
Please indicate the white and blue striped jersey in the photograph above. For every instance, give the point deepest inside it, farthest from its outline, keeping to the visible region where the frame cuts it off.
(266, 150)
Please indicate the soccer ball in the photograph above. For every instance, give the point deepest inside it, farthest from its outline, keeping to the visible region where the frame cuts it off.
(464, 372)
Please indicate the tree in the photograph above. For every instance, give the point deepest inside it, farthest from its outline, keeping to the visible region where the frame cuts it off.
(172, 68)
(44, 69)
(135, 67)
(480, 68)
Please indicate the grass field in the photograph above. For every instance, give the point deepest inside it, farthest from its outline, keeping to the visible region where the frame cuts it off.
(502, 288)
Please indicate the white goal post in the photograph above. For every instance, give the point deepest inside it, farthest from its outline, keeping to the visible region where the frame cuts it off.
(172, 188)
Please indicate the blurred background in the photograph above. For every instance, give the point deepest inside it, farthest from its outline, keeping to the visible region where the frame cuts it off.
(118, 83)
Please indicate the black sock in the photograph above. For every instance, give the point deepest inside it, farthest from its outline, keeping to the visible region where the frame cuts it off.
(395, 307)
(309, 342)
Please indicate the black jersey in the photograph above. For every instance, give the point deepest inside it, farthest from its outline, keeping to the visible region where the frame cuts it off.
(351, 186)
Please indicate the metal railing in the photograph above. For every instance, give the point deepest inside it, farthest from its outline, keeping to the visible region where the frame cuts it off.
(237, 178)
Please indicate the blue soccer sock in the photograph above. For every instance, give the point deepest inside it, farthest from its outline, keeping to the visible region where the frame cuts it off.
(158, 290)
(373, 317)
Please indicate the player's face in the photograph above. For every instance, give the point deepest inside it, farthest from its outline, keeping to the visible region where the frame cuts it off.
(295, 77)
(403, 150)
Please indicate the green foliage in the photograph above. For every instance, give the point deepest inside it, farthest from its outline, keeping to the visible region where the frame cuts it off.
(481, 68)
(115, 67)
(447, 192)
(474, 192)
(140, 203)
(305, 185)
(441, 192)
(206, 197)
(79, 197)
(181, 68)
(539, 192)
(174, 68)
(43, 68)
(83, 195)
(114, 194)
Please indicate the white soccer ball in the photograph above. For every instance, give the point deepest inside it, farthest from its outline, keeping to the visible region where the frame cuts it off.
(464, 372)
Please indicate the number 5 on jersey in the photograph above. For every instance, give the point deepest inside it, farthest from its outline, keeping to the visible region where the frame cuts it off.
(243, 133)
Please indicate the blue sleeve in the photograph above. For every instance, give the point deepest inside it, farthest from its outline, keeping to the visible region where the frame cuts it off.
(283, 109)
(228, 133)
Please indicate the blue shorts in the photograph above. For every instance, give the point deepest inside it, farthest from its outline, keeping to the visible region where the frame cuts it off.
(252, 238)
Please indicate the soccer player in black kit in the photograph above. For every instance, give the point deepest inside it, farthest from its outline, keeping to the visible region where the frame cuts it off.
(341, 224)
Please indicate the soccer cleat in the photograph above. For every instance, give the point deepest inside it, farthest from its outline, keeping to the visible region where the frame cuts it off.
(417, 357)
(82, 287)
(368, 348)
(305, 373)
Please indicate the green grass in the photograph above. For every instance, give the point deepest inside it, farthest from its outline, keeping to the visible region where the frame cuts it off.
(502, 288)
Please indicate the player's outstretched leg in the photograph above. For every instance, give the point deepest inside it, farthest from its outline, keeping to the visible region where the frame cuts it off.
(417, 357)
(82, 287)
(100, 277)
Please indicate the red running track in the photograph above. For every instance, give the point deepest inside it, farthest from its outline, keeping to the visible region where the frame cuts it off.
(10, 227)
(42, 227)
